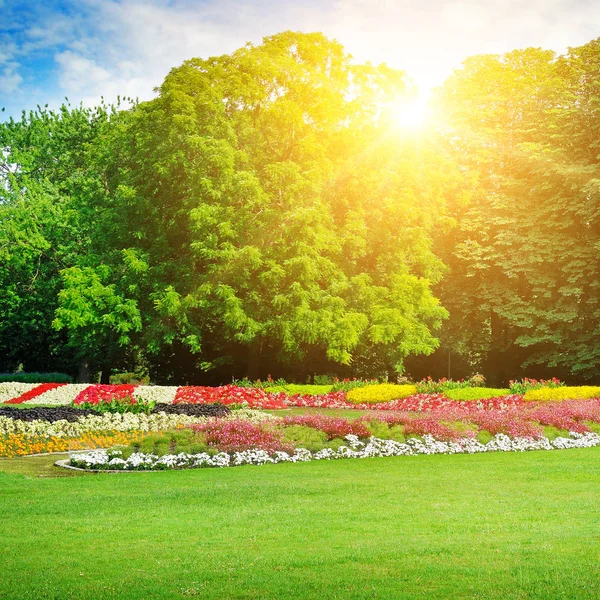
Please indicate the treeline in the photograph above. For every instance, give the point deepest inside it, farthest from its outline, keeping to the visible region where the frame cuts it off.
(264, 215)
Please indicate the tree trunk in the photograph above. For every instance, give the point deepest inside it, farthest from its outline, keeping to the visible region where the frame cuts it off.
(254, 350)
(84, 371)
(105, 375)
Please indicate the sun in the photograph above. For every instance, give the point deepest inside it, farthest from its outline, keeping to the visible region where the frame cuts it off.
(410, 113)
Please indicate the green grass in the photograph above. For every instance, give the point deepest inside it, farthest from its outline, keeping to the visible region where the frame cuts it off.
(485, 526)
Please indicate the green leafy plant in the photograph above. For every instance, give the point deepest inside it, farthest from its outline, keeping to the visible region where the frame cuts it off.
(123, 405)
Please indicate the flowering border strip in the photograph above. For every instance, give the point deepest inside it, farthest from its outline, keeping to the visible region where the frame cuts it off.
(35, 392)
(60, 396)
(12, 389)
(253, 397)
(101, 460)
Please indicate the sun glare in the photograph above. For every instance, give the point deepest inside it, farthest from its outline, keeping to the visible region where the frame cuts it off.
(409, 114)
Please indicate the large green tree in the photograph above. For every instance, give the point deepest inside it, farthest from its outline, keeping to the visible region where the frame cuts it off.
(274, 213)
(44, 169)
(525, 260)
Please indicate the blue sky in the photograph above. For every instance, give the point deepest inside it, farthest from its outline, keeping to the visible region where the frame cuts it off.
(85, 49)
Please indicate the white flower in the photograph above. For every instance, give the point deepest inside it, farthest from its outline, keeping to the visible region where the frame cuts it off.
(375, 447)
(60, 396)
(9, 390)
(161, 394)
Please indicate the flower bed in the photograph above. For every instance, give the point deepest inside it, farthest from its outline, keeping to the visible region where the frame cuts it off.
(217, 429)
(20, 437)
(262, 398)
(20, 445)
(355, 448)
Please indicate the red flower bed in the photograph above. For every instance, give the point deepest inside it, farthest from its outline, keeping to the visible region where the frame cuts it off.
(231, 394)
(34, 393)
(95, 394)
(332, 426)
(237, 436)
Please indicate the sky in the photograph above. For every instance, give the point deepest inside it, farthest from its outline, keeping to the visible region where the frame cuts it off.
(88, 49)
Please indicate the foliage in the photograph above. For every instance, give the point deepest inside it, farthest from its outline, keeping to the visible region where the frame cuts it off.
(301, 436)
(382, 392)
(36, 377)
(126, 404)
(525, 259)
(256, 210)
(133, 378)
(430, 386)
(173, 442)
(562, 393)
(475, 393)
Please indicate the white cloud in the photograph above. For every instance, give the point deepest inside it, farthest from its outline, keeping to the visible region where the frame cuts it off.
(126, 47)
(79, 73)
(10, 80)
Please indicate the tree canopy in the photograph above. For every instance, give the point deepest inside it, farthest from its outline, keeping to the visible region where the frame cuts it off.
(263, 214)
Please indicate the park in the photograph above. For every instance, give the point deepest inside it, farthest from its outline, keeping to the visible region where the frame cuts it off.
(287, 330)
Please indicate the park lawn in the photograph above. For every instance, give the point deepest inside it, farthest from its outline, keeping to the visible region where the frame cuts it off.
(483, 526)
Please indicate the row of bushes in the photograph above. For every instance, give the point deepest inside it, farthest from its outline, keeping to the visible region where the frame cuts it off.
(35, 378)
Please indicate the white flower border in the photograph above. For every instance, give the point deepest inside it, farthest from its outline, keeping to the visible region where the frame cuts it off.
(154, 422)
(9, 390)
(60, 396)
(374, 447)
(161, 394)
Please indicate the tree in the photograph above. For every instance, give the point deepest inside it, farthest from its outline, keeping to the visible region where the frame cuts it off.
(524, 261)
(237, 182)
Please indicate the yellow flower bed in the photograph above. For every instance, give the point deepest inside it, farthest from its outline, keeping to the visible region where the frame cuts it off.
(563, 393)
(383, 392)
(21, 445)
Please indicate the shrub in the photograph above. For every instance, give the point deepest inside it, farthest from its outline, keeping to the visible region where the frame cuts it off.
(477, 380)
(563, 393)
(431, 386)
(170, 443)
(133, 378)
(36, 378)
(383, 392)
(476, 393)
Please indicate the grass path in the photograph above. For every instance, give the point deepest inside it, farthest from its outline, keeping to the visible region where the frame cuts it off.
(487, 526)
